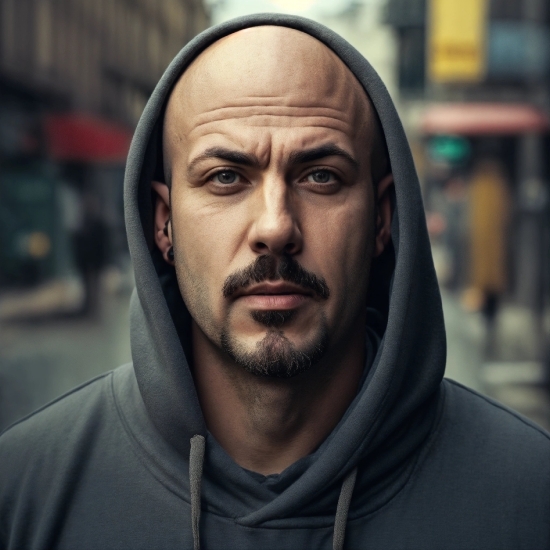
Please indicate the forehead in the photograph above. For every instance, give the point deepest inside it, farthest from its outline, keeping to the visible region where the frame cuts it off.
(267, 76)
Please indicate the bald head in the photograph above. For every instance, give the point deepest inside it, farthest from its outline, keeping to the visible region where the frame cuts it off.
(272, 75)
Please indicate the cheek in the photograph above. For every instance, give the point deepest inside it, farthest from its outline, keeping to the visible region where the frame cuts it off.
(205, 244)
(341, 243)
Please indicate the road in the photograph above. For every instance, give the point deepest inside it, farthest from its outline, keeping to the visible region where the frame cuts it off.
(41, 360)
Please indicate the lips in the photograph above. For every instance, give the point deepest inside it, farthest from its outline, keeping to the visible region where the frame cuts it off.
(273, 296)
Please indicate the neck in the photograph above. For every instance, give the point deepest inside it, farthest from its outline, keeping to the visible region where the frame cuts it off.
(266, 424)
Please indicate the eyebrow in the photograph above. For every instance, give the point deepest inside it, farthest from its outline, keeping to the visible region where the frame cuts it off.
(321, 152)
(222, 153)
(296, 157)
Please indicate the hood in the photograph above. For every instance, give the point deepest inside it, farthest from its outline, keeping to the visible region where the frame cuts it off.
(395, 407)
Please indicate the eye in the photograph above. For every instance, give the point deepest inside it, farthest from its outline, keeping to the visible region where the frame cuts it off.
(226, 177)
(321, 177)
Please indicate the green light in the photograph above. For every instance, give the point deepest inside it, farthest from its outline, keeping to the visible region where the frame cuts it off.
(449, 148)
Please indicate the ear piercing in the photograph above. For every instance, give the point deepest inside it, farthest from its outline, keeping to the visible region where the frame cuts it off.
(170, 252)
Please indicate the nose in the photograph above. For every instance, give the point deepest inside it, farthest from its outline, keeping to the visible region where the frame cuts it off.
(276, 229)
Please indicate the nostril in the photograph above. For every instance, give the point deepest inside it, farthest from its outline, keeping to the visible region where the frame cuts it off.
(289, 247)
(261, 246)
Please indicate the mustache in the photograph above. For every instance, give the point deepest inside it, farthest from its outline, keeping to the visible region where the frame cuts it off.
(268, 268)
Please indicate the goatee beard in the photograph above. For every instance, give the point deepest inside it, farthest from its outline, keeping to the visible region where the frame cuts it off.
(275, 355)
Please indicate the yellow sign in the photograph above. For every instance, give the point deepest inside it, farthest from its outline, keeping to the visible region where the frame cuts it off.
(456, 40)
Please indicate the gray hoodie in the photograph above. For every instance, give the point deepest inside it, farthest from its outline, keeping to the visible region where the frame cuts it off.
(126, 461)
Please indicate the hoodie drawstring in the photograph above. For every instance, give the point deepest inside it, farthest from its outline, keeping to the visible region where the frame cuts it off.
(196, 461)
(342, 509)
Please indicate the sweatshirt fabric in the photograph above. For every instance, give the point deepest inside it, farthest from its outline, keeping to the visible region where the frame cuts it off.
(417, 462)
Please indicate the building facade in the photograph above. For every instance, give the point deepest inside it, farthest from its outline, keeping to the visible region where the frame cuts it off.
(75, 76)
(98, 56)
(474, 76)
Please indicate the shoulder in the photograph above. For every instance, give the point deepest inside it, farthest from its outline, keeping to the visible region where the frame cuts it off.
(478, 416)
(70, 442)
(486, 441)
(60, 411)
(482, 479)
(55, 430)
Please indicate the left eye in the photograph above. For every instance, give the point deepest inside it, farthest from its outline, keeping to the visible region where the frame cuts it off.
(226, 177)
(321, 176)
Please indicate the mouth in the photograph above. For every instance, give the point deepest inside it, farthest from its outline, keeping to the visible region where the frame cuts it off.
(273, 296)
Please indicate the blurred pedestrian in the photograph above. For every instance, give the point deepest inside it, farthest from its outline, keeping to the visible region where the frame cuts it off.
(489, 212)
(89, 246)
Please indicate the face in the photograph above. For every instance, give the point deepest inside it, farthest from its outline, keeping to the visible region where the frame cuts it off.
(273, 217)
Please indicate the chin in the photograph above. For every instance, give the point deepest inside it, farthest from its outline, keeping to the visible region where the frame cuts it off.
(275, 354)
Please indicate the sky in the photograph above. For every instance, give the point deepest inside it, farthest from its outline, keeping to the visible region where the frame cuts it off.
(222, 10)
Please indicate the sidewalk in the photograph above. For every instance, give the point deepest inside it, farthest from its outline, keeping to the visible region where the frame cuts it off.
(517, 377)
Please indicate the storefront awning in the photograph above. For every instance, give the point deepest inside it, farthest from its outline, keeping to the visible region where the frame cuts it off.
(483, 119)
(83, 138)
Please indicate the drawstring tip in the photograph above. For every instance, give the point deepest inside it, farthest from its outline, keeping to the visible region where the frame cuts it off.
(196, 462)
(342, 509)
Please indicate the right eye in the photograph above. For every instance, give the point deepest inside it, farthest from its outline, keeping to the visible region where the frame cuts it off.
(226, 177)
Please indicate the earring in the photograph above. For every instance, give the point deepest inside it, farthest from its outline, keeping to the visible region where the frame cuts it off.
(165, 230)
(171, 254)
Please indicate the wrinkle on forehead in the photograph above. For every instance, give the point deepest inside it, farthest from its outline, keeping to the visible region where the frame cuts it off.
(268, 71)
(205, 125)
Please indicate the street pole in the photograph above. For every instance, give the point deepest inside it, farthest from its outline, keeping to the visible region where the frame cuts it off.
(532, 227)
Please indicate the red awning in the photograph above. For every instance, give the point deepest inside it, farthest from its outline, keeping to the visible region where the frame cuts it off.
(483, 119)
(83, 138)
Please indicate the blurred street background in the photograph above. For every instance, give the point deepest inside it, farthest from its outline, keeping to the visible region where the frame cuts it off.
(470, 78)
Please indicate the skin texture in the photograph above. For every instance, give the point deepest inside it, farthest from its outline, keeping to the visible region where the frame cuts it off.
(270, 94)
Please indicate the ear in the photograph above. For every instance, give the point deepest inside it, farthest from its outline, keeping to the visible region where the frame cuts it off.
(163, 229)
(383, 214)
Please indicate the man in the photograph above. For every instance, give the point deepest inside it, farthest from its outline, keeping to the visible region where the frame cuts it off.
(287, 336)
